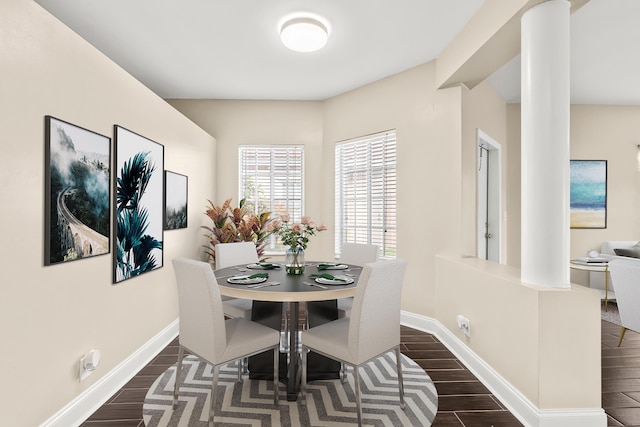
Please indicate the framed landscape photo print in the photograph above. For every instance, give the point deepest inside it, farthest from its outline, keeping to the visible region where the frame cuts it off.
(77, 195)
(175, 200)
(588, 193)
(139, 206)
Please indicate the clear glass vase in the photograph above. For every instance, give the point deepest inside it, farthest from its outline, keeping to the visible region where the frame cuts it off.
(294, 262)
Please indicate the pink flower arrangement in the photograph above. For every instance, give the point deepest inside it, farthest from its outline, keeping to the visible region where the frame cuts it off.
(295, 235)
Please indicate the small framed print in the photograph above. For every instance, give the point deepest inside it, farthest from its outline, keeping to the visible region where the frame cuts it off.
(588, 193)
(175, 200)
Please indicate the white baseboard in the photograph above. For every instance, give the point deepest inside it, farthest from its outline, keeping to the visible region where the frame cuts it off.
(85, 404)
(521, 407)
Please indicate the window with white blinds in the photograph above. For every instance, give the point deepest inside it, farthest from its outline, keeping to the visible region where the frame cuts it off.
(366, 192)
(271, 179)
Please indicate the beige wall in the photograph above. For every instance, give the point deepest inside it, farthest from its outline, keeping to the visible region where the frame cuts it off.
(514, 182)
(598, 132)
(428, 166)
(51, 315)
(482, 109)
(428, 155)
(543, 341)
(237, 123)
(547, 364)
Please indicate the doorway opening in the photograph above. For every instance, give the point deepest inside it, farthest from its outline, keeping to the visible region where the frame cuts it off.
(489, 197)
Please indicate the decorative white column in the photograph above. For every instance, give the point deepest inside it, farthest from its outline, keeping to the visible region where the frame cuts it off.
(545, 144)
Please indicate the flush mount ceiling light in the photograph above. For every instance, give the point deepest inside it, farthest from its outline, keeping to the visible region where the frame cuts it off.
(304, 34)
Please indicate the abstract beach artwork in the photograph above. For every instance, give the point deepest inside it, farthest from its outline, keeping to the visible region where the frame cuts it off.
(78, 165)
(139, 205)
(588, 192)
(175, 201)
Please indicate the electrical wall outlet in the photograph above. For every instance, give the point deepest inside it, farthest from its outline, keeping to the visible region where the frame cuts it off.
(84, 373)
(88, 363)
(464, 324)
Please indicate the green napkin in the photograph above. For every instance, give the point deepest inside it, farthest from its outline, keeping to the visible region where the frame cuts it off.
(267, 265)
(253, 276)
(327, 276)
(325, 266)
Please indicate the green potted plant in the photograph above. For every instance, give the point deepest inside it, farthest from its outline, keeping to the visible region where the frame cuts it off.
(239, 224)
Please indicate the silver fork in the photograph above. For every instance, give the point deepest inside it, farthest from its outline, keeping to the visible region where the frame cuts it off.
(315, 284)
(263, 285)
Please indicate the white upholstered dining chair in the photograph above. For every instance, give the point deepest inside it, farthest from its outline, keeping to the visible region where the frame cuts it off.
(205, 333)
(625, 277)
(372, 329)
(228, 254)
(355, 254)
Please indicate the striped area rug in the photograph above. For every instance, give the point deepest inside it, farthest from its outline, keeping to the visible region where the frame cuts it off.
(329, 403)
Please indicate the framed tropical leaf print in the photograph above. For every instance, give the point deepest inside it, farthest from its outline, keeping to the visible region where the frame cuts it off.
(139, 205)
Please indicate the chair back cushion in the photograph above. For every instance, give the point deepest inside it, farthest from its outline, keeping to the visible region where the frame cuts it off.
(625, 278)
(202, 328)
(228, 254)
(374, 325)
(358, 254)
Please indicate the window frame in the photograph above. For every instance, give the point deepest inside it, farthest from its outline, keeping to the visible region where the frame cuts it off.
(291, 150)
(386, 168)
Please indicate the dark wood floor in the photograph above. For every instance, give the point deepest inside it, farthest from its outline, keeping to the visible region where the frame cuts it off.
(462, 399)
(620, 376)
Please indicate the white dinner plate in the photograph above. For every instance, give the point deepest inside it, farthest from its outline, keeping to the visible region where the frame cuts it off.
(245, 280)
(267, 266)
(333, 267)
(346, 280)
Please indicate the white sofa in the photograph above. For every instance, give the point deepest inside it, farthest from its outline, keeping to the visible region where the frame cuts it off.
(597, 279)
(625, 273)
(607, 248)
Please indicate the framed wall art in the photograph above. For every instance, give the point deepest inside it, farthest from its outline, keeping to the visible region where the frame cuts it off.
(588, 193)
(175, 200)
(77, 194)
(139, 206)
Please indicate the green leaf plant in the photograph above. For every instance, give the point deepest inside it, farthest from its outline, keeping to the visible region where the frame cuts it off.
(239, 224)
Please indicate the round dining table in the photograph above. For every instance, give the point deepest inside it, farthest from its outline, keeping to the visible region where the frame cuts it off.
(268, 298)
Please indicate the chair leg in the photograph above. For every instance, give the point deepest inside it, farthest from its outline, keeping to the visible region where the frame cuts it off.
(356, 380)
(400, 380)
(240, 368)
(214, 394)
(276, 368)
(176, 386)
(306, 315)
(622, 331)
(285, 314)
(303, 381)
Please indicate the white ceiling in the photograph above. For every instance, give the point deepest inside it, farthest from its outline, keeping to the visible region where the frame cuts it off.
(224, 49)
(605, 56)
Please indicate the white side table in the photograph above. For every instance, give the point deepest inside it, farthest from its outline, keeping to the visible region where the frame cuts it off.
(602, 267)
